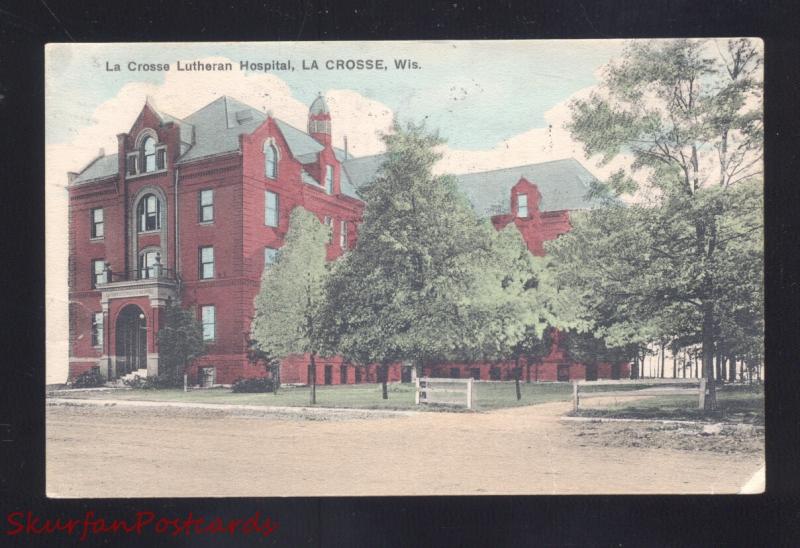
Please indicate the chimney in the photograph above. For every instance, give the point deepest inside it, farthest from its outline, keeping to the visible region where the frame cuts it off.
(345, 147)
(101, 152)
(71, 176)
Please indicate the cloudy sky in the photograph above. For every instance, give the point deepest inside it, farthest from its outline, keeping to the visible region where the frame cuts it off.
(497, 104)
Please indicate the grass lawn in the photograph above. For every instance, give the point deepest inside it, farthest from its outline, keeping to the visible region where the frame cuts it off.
(736, 404)
(492, 395)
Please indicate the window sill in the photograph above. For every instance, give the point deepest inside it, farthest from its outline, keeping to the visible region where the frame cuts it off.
(97, 239)
(145, 174)
(206, 223)
(154, 231)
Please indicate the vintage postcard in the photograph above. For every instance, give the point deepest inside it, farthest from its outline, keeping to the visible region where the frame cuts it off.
(405, 268)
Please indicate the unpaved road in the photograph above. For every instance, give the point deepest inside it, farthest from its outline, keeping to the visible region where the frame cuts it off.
(126, 451)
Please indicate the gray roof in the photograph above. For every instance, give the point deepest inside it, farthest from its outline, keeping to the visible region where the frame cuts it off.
(99, 168)
(362, 170)
(563, 184)
(303, 146)
(217, 128)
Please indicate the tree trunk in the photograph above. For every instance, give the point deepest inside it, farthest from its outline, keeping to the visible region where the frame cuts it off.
(517, 374)
(663, 358)
(674, 366)
(384, 377)
(313, 374)
(708, 356)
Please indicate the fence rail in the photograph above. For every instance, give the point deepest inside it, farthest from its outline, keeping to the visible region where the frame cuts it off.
(646, 389)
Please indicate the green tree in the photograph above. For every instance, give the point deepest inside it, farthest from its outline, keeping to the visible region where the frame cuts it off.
(287, 308)
(180, 341)
(688, 116)
(513, 305)
(405, 292)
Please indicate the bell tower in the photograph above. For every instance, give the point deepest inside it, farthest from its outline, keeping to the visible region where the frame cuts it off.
(319, 121)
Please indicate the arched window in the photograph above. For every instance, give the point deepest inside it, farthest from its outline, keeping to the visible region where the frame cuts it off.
(149, 154)
(149, 213)
(270, 160)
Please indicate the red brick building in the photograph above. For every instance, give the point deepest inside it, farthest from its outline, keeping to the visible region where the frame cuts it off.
(195, 208)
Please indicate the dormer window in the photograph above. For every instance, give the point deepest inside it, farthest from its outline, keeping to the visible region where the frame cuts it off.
(149, 213)
(329, 179)
(270, 160)
(522, 205)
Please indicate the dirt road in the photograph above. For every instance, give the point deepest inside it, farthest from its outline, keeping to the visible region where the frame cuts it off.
(121, 451)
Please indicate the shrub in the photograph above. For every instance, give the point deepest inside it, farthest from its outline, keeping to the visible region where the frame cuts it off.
(89, 379)
(252, 385)
(152, 383)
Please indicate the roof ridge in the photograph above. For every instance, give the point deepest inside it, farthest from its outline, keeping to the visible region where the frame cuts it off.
(520, 166)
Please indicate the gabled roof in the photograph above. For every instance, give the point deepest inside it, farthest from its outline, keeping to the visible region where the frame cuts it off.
(217, 129)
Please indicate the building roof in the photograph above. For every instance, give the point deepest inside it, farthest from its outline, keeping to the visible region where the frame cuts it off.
(319, 106)
(99, 168)
(563, 184)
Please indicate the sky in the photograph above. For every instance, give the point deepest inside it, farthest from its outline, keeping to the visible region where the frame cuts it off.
(496, 103)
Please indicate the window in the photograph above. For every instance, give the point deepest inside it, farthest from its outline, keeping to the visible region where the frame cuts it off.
(455, 373)
(97, 329)
(208, 319)
(147, 260)
(270, 161)
(149, 213)
(343, 234)
(205, 206)
(97, 222)
(131, 164)
(98, 272)
(161, 159)
(271, 204)
(329, 225)
(270, 256)
(329, 179)
(206, 270)
(475, 373)
(522, 205)
(149, 154)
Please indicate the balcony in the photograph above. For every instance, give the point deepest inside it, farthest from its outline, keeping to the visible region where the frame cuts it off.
(154, 281)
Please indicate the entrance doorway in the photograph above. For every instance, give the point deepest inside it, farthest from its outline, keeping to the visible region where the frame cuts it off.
(591, 372)
(615, 371)
(563, 373)
(131, 339)
(328, 374)
(405, 374)
(342, 374)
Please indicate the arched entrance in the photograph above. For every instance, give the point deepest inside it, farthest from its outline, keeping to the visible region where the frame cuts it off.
(131, 330)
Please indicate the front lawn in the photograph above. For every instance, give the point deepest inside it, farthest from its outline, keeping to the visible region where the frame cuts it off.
(736, 404)
(489, 395)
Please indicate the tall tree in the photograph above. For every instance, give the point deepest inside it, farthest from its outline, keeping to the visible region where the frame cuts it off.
(404, 293)
(287, 308)
(180, 341)
(513, 305)
(688, 116)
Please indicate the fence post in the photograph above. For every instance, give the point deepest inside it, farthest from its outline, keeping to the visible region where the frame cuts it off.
(702, 393)
(416, 395)
(469, 393)
(185, 382)
(575, 397)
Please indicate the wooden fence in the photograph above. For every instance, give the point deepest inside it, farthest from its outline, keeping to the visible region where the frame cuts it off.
(649, 388)
(459, 392)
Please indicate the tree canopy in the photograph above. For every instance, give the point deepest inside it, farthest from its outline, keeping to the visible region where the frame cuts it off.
(687, 117)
